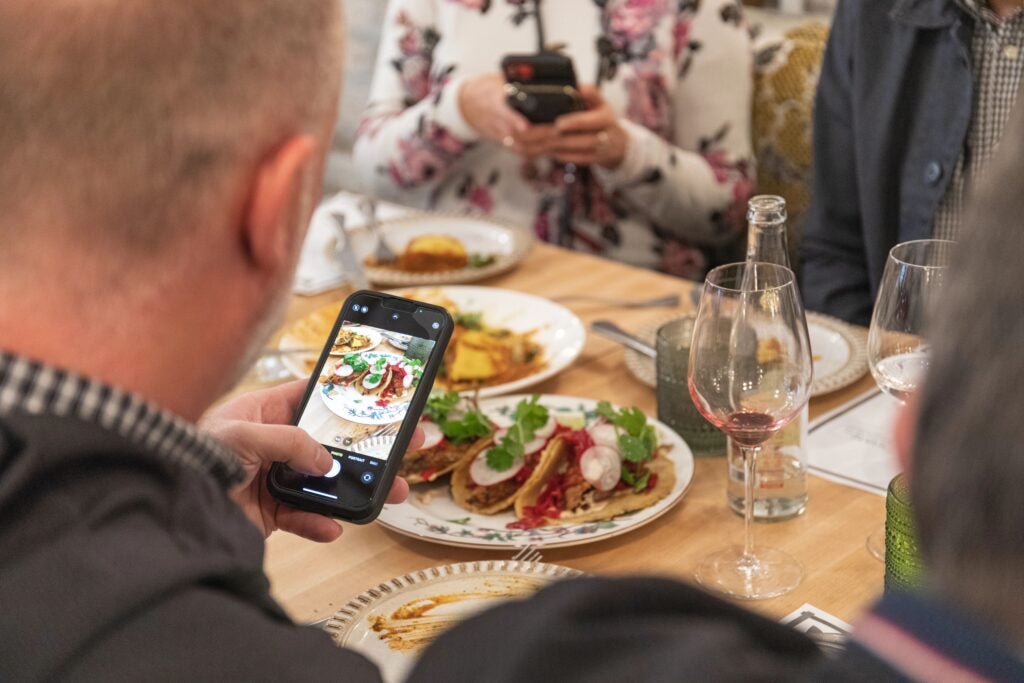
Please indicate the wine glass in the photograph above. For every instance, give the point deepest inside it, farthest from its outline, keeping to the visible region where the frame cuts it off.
(750, 375)
(897, 349)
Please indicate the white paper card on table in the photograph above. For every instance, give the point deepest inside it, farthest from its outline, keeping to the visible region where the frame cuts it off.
(318, 271)
(827, 630)
(852, 444)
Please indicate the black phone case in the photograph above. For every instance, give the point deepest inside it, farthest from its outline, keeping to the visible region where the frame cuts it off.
(412, 417)
(549, 89)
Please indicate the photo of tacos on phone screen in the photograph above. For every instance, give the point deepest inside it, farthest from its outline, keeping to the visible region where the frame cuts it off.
(363, 391)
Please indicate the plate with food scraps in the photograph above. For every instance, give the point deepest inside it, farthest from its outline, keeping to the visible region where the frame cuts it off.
(392, 623)
(440, 248)
(839, 351)
(504, 341)
(542, 500)
(371, 388)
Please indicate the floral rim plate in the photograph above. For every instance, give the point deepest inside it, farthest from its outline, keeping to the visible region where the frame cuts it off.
(839, 350)
(430, 514)
(348, 404)
(506, 242)
(557, 329)
(375, 623)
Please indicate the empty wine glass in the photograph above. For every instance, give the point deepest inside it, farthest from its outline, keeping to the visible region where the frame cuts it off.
(750, 375)
(897, 348)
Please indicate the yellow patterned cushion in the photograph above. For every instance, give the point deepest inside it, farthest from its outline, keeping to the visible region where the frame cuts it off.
(784, 84)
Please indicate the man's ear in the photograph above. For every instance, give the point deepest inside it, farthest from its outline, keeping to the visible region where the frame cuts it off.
(904, 432)
(274, 220)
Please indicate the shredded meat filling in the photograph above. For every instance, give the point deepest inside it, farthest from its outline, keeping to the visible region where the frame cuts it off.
(485, 496)
(435, 458)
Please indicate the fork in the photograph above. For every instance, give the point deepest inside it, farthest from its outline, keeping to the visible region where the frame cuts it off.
(528, 553)
(386, 430)
(661, 301)
(382, 253)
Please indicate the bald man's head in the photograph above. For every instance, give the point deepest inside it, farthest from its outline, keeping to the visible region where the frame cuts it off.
(127, 118)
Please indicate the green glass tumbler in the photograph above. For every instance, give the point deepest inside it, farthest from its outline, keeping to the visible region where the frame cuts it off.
(903, 567)
(675, 407)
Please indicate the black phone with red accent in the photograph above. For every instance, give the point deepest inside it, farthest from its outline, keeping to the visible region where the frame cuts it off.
(541, 86)
(363, 401)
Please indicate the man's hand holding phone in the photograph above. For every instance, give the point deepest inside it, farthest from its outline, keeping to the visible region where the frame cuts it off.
(257, 427)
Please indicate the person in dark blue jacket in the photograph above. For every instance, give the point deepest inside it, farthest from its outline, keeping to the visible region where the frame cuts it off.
(912, 102)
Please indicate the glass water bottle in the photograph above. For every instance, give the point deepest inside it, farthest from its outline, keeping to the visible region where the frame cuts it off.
(780, 490)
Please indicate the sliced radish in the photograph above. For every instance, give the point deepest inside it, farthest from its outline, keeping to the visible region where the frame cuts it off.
(432, 435)
(343, 369)
(604, 434)
(547, 430)
(532, 447)
(529, 448)
(483, 474)
(407, 381)
(501, 421)
(601, 466)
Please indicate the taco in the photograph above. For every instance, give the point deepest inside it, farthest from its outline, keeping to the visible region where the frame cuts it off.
(595, 474)
(490, 482)
(453, 431)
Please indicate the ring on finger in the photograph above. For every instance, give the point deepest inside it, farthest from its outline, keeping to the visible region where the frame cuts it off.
(508, 141)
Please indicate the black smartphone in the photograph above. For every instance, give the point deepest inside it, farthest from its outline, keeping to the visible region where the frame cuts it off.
(363, 402)
(541, 86)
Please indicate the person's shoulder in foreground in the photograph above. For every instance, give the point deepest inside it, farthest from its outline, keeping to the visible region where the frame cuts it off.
(594, 630)
(124, 558)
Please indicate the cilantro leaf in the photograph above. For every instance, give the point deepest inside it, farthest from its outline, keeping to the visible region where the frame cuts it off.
(528, 418)
(632, 420)
(531, 415)
(641, 482)
(471, 321)
(500, 458)
(472, 425)
(605, 410)
(439, 407)
(638, 482)
(650, 439)
(633, 449)
(481, 260)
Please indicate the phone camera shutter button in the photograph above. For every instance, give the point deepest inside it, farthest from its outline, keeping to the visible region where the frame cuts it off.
(335, 469)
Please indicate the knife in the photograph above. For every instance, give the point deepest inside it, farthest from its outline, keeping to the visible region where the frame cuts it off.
(608, 329)
(352, 269)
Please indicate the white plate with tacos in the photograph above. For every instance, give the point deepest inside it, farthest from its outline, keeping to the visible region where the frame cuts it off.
(550, 471)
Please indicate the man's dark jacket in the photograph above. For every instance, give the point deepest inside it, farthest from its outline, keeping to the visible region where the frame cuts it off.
(890, 120)
(119, 565)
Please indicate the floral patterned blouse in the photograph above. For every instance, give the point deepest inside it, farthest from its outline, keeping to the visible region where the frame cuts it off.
(681, 84)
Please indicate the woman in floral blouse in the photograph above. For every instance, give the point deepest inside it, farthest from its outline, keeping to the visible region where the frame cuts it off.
(666, 136)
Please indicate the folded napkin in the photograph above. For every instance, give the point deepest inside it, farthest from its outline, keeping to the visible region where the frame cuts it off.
(852, 445)
(318, 269)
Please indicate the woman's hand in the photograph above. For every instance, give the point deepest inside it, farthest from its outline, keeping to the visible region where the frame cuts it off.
(483, 105)
(591, 137)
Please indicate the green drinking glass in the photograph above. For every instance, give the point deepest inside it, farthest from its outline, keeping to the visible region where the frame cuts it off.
(903, 567)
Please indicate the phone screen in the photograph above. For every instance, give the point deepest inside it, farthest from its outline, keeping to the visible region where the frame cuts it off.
(364, 388)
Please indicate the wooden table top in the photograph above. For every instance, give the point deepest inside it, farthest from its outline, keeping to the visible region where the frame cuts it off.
(313, 580)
